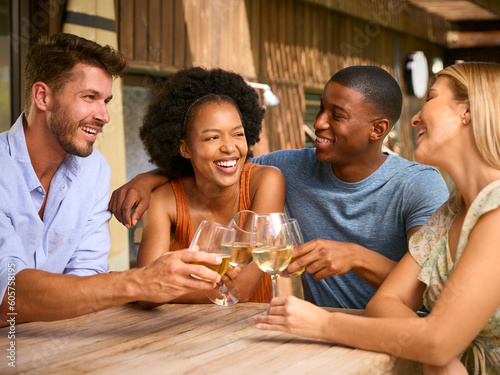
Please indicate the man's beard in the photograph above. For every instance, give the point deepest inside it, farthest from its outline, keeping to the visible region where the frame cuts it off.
(65, 131)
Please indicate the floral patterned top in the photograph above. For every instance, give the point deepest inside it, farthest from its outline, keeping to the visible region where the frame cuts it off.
(429, 247)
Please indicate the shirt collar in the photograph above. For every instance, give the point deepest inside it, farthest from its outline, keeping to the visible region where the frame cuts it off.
(19, 152)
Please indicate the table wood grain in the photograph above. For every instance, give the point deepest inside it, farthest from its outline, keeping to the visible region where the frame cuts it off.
(183, 339)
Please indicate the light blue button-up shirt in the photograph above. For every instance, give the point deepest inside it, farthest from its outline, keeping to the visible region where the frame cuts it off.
(73, 237)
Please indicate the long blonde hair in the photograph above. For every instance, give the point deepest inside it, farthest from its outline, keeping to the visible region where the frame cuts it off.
(478, 82)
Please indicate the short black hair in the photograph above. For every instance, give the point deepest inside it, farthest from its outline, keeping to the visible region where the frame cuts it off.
(380, 89)
(177, 100)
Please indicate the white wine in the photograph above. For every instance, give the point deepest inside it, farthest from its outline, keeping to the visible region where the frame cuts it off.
(299, 271)
(241, 254)
(219, 268)
(272, 259)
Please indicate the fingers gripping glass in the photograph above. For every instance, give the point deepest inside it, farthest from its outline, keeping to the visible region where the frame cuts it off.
(215, 238)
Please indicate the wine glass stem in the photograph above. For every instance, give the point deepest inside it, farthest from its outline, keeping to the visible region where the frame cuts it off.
(223, 289)
(274, 279)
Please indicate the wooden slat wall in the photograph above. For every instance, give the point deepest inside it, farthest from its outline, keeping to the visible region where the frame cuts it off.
(291, 45)
(302, 44)
(153, 34)
(398, 15)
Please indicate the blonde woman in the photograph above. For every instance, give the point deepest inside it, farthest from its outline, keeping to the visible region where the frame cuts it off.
(452, 267)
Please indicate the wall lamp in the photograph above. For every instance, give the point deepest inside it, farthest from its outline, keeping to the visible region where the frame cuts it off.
(270, 100)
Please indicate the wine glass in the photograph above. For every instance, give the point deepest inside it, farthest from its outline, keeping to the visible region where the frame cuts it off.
(215, 238)
(244, 223)
(297, 241)
(272, 245)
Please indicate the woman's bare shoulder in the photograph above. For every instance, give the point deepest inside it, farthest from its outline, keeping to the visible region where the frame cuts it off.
(266, 172)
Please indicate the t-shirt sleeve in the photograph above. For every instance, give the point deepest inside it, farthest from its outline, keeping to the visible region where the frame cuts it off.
(425, 192)
(267, 159)
(280, 159)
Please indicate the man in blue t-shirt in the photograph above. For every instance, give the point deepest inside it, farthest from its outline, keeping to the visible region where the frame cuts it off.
(356, 205)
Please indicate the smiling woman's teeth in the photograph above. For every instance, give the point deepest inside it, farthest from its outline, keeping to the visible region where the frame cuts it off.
(231, 163)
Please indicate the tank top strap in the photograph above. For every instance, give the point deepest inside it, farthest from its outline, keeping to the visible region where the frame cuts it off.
(245, 203)
(183, 227)
(264, 291)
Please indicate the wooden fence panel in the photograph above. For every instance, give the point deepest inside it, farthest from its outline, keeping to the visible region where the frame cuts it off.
(154, 27)
(179, 35)
(291, 45)
(141, 30)
(167, 32)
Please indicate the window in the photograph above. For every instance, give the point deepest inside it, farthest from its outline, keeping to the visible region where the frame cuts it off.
(313, 100)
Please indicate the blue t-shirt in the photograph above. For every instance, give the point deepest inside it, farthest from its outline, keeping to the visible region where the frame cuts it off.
(375, 213)
(73, 237)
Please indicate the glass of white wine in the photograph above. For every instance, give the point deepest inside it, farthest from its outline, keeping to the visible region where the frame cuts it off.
(244, 223)
(272, 245)
(215, 238)
(297, 241)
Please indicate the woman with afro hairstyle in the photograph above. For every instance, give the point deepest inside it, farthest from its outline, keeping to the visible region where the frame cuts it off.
(199, 130)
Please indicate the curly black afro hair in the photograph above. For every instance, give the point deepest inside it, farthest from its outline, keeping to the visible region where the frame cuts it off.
(165, 123)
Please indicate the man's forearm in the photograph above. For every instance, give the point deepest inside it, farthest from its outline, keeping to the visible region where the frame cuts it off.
(44, 296)
(371, 266)
(155, 178)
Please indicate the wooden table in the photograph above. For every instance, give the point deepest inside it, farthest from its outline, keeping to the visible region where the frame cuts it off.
(182, 339)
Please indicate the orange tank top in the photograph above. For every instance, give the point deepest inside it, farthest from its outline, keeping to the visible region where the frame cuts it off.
(184, 231)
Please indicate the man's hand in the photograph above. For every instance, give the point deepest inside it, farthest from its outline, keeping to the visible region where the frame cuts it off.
(125, 198)
(171, 275)
(135, 193)
(323, 258)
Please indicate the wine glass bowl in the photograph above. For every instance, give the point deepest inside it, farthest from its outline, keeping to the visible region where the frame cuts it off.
(273, 259)
(244, 223)
(297, 241)
(272, 245)
(215, 238)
